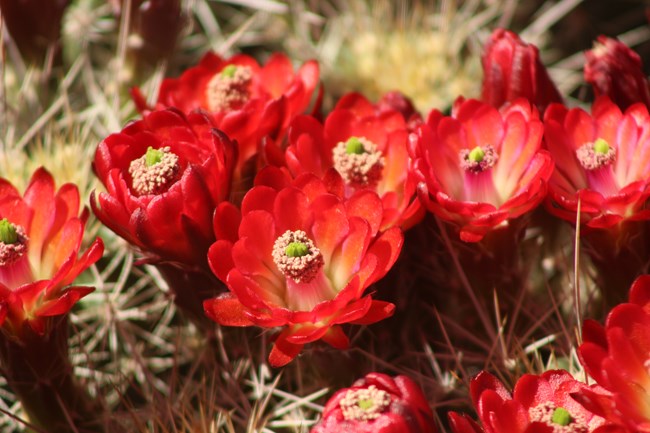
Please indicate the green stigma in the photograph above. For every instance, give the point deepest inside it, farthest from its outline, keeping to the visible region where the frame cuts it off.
(153, 156)
(477, 154)
(601, 146)
(366, 403)
(561, 416)
(354, 145)
(296, 249)
(229, 71)
(8, 234)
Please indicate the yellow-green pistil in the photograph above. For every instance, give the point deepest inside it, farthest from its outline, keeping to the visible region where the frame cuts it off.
(561, 416)
(8, 233)
(366, 403)
(153, 156)
(229, 71)
(601, 146)
(296, 249)
(354, 146)
(476, 155)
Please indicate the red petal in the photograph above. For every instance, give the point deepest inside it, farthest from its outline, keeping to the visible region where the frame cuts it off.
(226, 310)
(283, 352)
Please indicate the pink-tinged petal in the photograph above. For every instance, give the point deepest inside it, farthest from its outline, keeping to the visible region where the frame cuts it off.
(283, 352)
(226, 310)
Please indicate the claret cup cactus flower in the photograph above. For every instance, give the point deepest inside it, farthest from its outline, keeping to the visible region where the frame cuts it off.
(300, 256)
(378, 403)
(481, 167)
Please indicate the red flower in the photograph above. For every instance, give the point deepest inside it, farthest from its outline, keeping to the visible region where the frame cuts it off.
(602, 160)
(481, 166)
(617, 357)
(165, 175)
(300, 257)
(538, 404)
(40, 237)
(367, 145)
(378, 404)
(512, 69)
(246, 100)
(613, 69)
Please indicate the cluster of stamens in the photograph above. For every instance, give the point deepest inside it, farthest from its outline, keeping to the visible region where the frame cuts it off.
(297, 257)
(478, 159)
(359, 162)
(229, 89)
(595, 155)
(364, 404)
(154, 171)
(558, 418)
(13, 242)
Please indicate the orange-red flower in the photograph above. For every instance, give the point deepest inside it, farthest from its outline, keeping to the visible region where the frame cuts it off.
(378, 404)
(367, 145)
(602, 161)
(247, 101)
(40, 237)
(538, 404)
(617, 357)
(165, 175)
(299, 256)
(512, 69)
(481, 167)
(613, 69)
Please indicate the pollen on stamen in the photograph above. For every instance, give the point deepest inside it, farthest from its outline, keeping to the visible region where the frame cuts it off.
(229, 89)
(478, 159)
(154, 175)
(558, 418)
(359, 162)
(13, 242)
(364, 404)
(595, 155)
(296, 256)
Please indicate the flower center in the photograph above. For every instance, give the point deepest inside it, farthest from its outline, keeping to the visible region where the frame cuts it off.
(297, 257)
(364, 404)
(595, 155)
(154, 171)
(229, 89)
(478, 159)
(13, 242)
(558, 418)
(359, 162)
